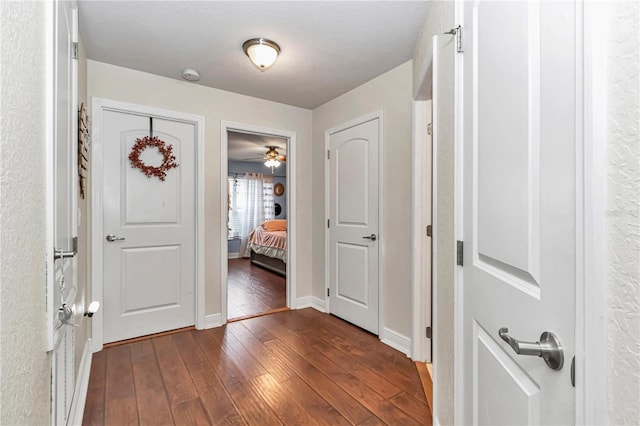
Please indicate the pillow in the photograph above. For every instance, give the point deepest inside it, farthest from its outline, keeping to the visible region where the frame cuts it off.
(275, 225)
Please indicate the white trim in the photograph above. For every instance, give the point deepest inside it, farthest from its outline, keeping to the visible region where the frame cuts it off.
(458, 226)
(213, 321)
(379, 115)
(422, 172)
(49, 168)
(233, 255)
(225, 127)
(435, 422)
(76, 412)
(310, 302)
(397, 341)
(434, 221)
(98, 106)
(591, 248)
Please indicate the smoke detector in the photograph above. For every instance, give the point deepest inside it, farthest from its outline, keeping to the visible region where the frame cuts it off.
(190, 74)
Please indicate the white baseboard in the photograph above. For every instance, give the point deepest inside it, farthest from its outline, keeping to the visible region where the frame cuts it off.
(233, 256)
(396, 340)
(76, 413)
(435, 421)
(310, 302)
(213, 321)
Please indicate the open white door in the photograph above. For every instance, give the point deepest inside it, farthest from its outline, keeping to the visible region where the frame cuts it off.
(519, 210)
(353, 223)
(62, 280)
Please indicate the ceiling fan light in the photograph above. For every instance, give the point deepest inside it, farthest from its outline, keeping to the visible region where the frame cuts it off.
(272, 162)
(262, 52)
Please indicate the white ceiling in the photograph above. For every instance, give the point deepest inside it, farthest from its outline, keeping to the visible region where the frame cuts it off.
(328, 47)
(247, 147)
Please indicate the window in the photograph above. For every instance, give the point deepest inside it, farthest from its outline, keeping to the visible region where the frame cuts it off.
(250, 202)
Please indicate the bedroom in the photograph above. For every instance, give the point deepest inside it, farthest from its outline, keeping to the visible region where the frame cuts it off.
(257, 224)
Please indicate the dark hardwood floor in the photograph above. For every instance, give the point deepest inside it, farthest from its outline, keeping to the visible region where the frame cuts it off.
(295, 368)
(253, 290)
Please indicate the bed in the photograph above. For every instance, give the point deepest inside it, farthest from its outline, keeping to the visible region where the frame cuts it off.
(268, 246)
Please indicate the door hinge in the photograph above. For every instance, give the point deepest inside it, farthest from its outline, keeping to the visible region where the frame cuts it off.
(428, 333)
(430, 129)
(74, 50)
(328, 292)
(328, 223)
(459, 258)
(328, 155)
(429, 230)
(457, 31)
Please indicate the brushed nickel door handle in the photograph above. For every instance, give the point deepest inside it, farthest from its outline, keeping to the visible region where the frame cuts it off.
(371, 237)
(112, 238)
(548, 348)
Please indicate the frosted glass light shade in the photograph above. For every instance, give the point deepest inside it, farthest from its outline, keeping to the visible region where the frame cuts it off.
(272, 162)
(262, 52)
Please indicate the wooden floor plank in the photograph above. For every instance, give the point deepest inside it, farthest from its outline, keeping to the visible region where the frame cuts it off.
(214, 397)
(252, 289)
(190, 412)
(121, 407)
(153, 404)
(94, 405)
(294, 368)
(174, 373)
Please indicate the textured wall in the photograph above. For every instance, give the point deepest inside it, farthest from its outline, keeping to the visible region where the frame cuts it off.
(623, 218)
(390, 92)
(440, 18)
(122, 84)
(24, 364)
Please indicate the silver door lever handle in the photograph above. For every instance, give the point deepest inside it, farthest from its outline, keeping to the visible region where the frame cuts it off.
(371, 237)
(111, 238)
(548, 348)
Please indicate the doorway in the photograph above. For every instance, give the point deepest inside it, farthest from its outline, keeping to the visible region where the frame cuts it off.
(258, 220)
(257, 224)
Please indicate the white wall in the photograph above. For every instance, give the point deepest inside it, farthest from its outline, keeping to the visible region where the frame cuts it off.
(122, 84)
(623, 213)
(390, 92)
(440, 18)
(24, 364)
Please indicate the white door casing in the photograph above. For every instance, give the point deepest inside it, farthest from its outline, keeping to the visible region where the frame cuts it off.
(149, 277)
(225, 127)
(518, 212)
(162, 119)
(354, 237)
(62, 193)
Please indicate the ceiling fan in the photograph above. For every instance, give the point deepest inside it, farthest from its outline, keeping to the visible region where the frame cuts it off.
(271, 154)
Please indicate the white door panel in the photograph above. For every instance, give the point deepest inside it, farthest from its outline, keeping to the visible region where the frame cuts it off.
(149, 277)
(353, 215)
(519, 208)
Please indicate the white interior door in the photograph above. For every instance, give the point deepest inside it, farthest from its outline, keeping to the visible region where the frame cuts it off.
(149, 270)
(64, 189)
(353, 219)
(519, 208)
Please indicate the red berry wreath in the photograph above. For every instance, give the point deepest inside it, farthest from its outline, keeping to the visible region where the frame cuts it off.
(169, 160)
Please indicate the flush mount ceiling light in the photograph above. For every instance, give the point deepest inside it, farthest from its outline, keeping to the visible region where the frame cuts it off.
(262, 52)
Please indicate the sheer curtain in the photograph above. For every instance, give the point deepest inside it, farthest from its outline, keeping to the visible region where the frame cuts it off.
(253, 205)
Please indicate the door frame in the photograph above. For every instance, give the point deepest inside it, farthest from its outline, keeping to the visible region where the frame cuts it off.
(100, 105)
(590, 240)
(225, 127)
(422, 200)
(327, 188)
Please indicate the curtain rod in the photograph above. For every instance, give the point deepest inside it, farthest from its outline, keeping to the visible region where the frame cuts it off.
(242, 174)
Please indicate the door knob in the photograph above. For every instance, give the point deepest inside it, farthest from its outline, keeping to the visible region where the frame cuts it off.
(548, 348)
(111, 238)
(371, 237)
